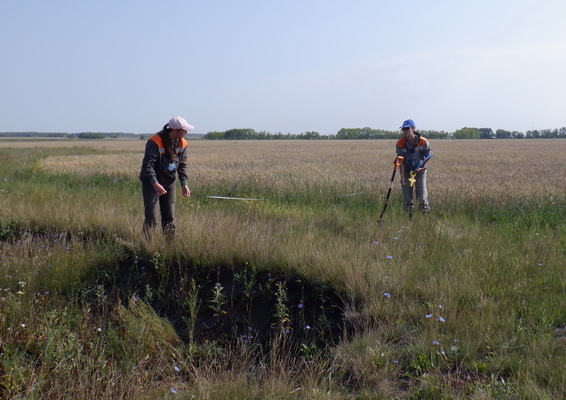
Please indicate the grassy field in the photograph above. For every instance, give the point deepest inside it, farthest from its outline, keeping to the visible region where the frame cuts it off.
(298, 295)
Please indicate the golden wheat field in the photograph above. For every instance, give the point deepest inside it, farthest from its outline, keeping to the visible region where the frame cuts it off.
(461, 168)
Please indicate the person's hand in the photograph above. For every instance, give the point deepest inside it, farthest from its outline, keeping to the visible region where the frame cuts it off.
(160, 190)
(186, 191)
(420, 170)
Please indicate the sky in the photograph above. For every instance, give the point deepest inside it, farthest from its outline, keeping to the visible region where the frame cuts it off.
(281, 66)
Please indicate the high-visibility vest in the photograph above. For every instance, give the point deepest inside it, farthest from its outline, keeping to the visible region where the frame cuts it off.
(159, 142)
(419, 147)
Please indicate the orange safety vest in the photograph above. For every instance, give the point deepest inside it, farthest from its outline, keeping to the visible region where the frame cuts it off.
(159, 142)
(401, 143)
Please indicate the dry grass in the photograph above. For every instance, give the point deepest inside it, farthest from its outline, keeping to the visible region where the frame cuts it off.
(460, 168)
(106, 144)
(498, 286)
(335, 246)
(87, 165)
(329, 245)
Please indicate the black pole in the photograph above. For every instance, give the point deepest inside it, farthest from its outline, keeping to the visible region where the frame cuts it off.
(396, 163)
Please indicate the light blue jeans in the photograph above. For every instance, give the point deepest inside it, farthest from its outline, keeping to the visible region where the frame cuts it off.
(420, 192)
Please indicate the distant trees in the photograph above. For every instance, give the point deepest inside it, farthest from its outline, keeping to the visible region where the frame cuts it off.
(467, 133)
(239, 134)
(365, 133)
(435, 134)
(251, 134)
(91, 135)
(370, 133)
(486, 133)
(35, 134)
(475, 133)
(309, 135)
(533, 134)
(546, 133)
(342, 134)
(503, 134)
(214, 135)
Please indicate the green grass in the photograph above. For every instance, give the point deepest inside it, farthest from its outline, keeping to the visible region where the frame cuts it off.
(469, 302)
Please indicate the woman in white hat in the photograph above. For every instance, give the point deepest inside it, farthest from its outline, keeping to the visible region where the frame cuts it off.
(165, 158)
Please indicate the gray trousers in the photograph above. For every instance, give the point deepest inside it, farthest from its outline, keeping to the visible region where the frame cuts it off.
(159, 208)
(420, 191)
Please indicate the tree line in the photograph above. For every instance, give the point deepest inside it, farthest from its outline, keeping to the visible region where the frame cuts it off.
(344, 133)
(370, 133)
(81, 135)
(251, 134)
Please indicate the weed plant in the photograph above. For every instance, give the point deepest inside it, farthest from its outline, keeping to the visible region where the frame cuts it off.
(468, 302)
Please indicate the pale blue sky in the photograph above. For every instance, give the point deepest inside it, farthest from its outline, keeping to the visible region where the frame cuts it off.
(281, 66)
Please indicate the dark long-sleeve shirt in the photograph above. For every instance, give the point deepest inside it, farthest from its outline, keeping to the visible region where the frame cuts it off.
(157, 167)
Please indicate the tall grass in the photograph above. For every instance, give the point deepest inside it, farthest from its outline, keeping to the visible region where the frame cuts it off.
(466, 303)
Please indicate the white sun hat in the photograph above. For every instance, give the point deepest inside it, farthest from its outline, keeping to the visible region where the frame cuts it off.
(180, 123)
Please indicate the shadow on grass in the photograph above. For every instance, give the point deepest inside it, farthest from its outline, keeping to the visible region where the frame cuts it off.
(224, 303)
